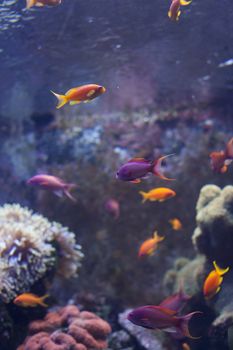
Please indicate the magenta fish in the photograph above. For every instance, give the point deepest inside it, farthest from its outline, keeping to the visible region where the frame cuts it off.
(176, 302)
(138, 168)
(53, 183)
(157, 317)
(113, 207)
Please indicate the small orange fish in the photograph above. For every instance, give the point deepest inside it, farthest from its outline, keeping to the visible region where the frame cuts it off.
(40, 3)
(213, 281)
(219, 161)
(30, 300)
(158, 194)
(174, 10)
(80, 94)
(148, 246)
(176, 224)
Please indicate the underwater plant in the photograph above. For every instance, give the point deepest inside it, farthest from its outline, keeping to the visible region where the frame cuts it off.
(31, 246)
(67, 329)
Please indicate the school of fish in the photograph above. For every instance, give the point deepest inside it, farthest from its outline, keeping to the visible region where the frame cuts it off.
(165, 316)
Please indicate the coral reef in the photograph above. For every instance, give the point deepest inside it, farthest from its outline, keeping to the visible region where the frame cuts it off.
(188, 273)
(213, 235)
(67, 329)
(30, 246)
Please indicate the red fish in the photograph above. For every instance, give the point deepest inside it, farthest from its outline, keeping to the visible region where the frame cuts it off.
(53, 183)
(113, 207)
(176, 302)
(157, 317)
(219, 161)
(84, 93)
(138, 168)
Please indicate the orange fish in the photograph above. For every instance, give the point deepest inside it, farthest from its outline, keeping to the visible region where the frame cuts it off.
(40, 3)
(158, 194)
(213, 281)
(148, 246)
(176, 224)
(174, 10)
(30, 300)
(219, 161)
(80, 94)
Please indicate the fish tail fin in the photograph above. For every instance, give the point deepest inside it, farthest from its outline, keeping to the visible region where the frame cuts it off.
(144, 196)
(185, 3)
(62, 99)
(67, 190)
(30, 3)
(157, 237)
(42, 299)
(156, 167)
(220, 271)
(184, 324)
(229, 149)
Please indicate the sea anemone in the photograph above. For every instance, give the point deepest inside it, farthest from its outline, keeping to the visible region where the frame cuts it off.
(30, 246)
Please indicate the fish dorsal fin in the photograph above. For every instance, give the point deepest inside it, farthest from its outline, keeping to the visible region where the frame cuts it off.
(220, 271)
(157, 237)
(143, 160)
(167, 311)
(136, 181)
(71, 90)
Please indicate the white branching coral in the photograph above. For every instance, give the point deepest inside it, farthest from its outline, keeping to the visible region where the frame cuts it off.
(30, 246)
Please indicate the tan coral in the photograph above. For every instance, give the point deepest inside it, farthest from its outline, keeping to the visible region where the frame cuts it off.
(28, 250)
(67, 329)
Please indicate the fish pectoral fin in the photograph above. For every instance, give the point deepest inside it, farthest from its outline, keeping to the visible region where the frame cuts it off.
(39, 4)
(87, 101)
(136, 181)
(170, 330)
(150, 252)
(185, 3)
(72, 103)
(218, 289)
(90, 93)
(169, 311)
(58, 193)
(161, 200)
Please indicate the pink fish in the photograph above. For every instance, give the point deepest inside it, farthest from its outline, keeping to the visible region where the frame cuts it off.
(137, 168)
(113, 207)
(157, 317)
(176, 302)
(53, 183)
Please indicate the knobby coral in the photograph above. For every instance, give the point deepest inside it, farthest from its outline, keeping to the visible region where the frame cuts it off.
(67, 329)
(213, 235)
(30, 246)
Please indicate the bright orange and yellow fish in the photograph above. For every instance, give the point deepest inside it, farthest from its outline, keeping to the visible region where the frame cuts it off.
(176, 224)
(40, 3)
(213, 281)
(157, 194)
(30, 300)
(148, 246)
(174, 10)
(84, 93)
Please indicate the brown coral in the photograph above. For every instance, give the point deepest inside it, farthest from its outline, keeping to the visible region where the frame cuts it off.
(67, 329)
